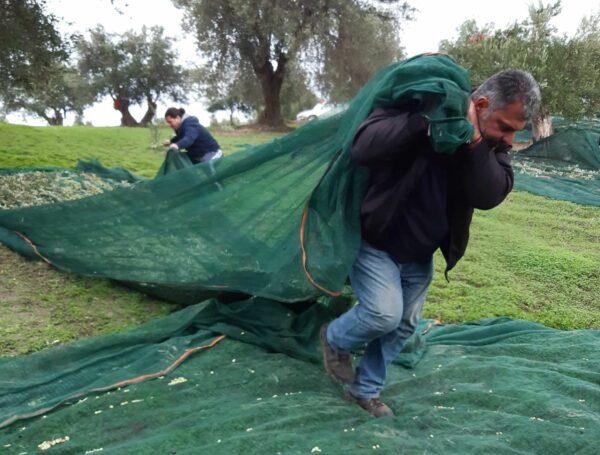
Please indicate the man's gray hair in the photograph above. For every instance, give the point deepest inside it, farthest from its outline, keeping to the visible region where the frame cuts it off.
(508, 86)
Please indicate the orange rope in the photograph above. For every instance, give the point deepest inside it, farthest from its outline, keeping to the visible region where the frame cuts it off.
(430, 325)
(164, 372)
(305, 256)
(167, 370)
(33, 247)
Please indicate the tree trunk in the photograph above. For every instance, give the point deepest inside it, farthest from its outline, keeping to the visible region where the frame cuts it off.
(271, 88)
(150, 113)
(122, 105)
(271, 82)
(542, 126)
(56, 120)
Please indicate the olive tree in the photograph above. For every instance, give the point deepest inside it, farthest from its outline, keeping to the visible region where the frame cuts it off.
(341, 43)
(566, 68)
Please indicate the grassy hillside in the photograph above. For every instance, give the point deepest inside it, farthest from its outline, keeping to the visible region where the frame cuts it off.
(531, 258)
(131, 148)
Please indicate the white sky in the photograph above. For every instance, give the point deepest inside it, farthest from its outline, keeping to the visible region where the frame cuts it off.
(434, 21)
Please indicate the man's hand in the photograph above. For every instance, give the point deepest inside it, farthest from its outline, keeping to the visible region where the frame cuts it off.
(472, 118)
(173, 146)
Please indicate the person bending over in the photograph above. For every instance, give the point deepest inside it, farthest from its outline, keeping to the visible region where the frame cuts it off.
(191, 136)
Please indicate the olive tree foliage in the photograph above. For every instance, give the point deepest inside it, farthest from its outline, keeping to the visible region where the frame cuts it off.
(235, 93)
(566, 68)
(321, 37)
(29, 44)
(296, 92)
(33, 63)
(241, 93)
(133, 69)
(231, 104)
(61, 90)
(349, 54)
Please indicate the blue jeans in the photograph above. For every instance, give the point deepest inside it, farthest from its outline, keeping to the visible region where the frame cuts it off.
(210, 157)
(390, 298)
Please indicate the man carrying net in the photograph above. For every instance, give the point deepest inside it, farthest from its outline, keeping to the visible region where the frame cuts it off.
(417, 201)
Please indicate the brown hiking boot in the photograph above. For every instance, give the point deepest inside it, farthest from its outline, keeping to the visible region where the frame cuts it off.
(337, 364)
(373, 406)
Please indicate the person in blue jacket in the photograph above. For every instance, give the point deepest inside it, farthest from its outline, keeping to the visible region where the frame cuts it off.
(191, 136)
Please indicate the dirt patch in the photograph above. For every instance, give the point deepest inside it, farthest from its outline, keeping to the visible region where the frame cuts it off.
(40, 306)
(250, 128)
(22, 311)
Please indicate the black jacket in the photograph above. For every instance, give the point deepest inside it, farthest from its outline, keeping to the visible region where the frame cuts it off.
(393, 144)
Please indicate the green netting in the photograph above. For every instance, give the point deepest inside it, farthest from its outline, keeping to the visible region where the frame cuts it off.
(563, 166)
(236, 224)
(493, 386)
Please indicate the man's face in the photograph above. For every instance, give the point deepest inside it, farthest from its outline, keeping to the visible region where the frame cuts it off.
(173, 122)
(499, 126)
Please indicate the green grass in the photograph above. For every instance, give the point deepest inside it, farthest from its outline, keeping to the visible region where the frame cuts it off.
(41, 306)
(532, 258)
(26, 146)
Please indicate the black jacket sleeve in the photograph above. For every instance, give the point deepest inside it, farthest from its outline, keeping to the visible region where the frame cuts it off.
(384, 135)
(486, 176)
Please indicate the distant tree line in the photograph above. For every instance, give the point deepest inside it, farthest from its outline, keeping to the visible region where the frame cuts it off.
(273, 58)
(567, 69)
(265, 57)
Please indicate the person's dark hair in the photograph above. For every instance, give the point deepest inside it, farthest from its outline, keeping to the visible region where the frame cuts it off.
(508, 86)
(175, 112)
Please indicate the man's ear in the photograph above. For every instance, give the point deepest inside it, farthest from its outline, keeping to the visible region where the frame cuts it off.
(481, 103)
